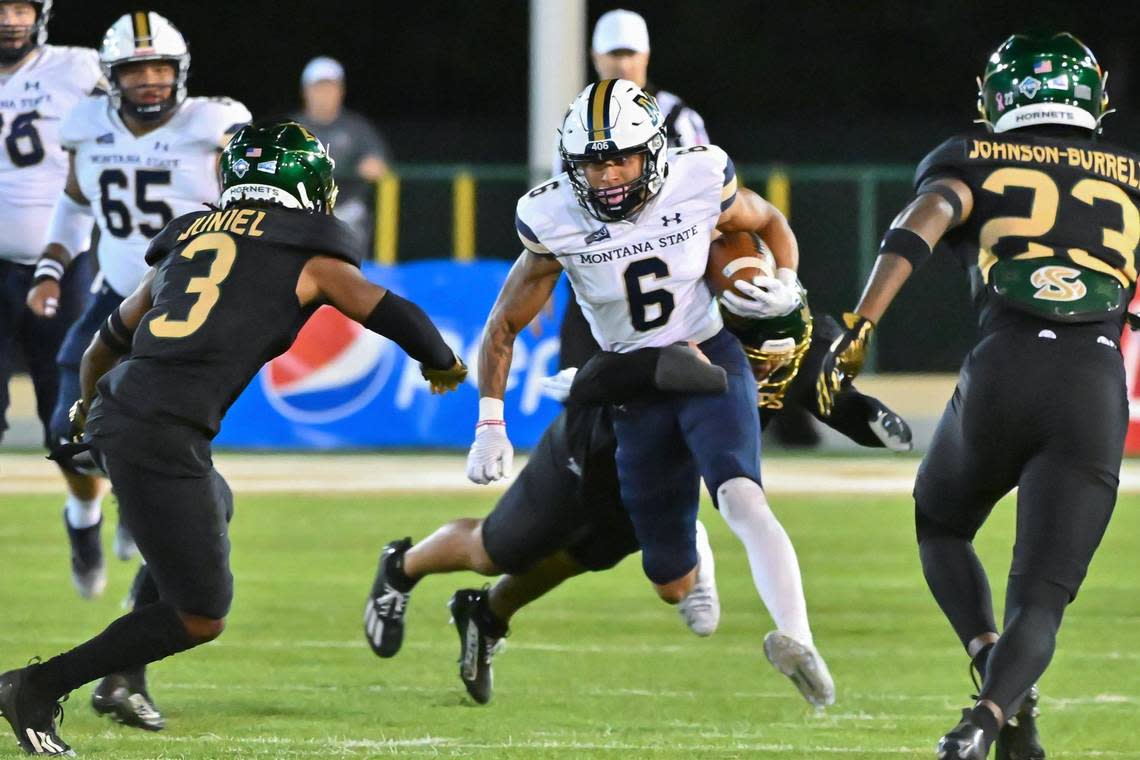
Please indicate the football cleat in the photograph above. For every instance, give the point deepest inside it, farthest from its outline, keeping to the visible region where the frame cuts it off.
(32, 719)
(477, 647)
(124, 699)
(1018, 739)
(385, 608)
(124, 545)
(803, 664)
(889, 427)
(700, 609)
(88, 572)
(966, 741)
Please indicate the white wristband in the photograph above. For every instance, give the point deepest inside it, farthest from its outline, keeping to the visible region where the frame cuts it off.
(70, 225)
(490, 409)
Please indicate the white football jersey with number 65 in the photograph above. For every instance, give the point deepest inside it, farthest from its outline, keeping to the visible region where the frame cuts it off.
(640, 281)
(137, 185)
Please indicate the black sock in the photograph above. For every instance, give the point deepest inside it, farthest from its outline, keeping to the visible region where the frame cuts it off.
(141, 636)
(488, 622)
(396, 576)
(984, 718)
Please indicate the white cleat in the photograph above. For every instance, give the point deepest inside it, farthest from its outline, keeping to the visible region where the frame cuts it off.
(803, 664)
(700, 609)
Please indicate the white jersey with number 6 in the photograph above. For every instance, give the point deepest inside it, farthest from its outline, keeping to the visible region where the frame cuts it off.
(34, 99)
(640, 281)
(137, 185)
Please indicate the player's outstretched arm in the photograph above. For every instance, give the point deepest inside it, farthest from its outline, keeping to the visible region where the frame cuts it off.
(344, 287)
(766, 296)
(113, 341)
(940, 205)
(69, 233)
(527, 289)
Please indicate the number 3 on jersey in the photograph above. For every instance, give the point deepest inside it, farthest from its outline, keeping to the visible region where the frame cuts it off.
(225, 250)
(647, 308)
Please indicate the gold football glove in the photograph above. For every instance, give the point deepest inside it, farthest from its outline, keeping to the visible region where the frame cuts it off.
(843, 361)
(444, 380)
(77, 421)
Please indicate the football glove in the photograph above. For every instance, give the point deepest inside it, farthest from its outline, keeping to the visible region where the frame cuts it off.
(444, 380)
(843, 361)
(491, 455)
(77, 421)
(764, 297)
(558, 386)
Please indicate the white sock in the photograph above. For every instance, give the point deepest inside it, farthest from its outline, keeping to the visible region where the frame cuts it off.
(775, 569)
(83, 513)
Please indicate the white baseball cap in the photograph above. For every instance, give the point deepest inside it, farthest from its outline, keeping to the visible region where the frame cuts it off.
(322, 69)
(621, 30)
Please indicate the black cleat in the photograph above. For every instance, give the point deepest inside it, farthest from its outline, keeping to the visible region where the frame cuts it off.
(889, 427)
(1018, 738)
(88, 572)
(477, 646)
(967, 741)
(32, 719)
(124, 699)
(385, 608)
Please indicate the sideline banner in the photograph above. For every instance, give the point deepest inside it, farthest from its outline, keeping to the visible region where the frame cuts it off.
(342, 386)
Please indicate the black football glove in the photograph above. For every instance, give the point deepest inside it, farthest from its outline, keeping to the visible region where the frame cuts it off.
(843, 361)
(444, 380)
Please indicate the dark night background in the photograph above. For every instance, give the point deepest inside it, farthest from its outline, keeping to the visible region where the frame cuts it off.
(809, 82)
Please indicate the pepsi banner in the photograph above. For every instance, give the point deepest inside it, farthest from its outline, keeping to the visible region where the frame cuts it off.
(342, 386)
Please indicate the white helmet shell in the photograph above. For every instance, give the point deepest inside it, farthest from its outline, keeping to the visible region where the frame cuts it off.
(145, 36)
(608, 119)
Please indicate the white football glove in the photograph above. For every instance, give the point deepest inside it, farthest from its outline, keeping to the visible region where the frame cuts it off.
(764, 297)
(558, 386)
(491, 455)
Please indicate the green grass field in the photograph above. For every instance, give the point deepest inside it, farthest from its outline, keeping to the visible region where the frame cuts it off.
(599, 669)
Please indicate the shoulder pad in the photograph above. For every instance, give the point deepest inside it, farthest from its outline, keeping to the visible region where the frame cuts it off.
(947, 158)
(88, 120)
(536, 211)
(165, 241)
(705, 167)
(211, 119)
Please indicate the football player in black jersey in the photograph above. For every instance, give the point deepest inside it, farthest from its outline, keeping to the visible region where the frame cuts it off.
(1043, 216)
(562, 516)
(230, 288)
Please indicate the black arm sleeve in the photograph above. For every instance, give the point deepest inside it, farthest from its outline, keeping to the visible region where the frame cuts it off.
(405, 323)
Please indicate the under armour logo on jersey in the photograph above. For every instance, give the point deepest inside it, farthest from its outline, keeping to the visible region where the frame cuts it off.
(164, 147)
(666, 221)
(106, 139)
(31, 86)
(599, 234)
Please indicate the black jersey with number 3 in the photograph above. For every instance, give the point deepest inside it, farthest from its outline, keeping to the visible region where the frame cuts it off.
(1037, 197)
(224, 303)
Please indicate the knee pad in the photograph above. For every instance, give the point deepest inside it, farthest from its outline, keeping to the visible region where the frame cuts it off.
(741, 499)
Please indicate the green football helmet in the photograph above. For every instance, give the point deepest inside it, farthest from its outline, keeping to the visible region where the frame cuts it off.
(1045, 79)
(279, 162)
(775, 348)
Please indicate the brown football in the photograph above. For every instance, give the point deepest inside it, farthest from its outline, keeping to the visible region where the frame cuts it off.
(737, 256)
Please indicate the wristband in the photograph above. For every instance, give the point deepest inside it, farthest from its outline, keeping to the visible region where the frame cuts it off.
(490, 410)
(47, 269)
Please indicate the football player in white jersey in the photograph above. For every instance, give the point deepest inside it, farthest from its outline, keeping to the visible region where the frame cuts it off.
(39, 84)
(140, 155)
(630, 223)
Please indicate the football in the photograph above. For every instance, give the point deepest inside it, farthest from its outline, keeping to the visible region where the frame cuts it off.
(737, 256)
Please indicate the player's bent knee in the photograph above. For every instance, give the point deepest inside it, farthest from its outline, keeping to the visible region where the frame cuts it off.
(742, 498)
(202, 629)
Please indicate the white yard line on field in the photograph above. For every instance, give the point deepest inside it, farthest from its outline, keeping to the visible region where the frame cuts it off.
(370, 473)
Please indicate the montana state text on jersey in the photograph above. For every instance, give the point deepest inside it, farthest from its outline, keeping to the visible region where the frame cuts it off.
(640, 282)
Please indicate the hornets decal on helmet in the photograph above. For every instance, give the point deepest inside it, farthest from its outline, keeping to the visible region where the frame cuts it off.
(1042, 79)
(278, 162)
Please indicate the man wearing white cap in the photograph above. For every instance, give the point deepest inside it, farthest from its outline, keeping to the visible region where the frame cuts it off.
(361, 154)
